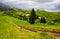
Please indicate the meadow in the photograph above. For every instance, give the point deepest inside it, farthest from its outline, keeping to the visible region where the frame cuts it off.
(9, 31)
(45, 27)
(14, 24)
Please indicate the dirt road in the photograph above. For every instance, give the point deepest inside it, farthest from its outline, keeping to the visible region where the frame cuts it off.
(56, 35)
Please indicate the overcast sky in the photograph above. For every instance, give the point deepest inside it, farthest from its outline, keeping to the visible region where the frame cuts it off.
(50, 5)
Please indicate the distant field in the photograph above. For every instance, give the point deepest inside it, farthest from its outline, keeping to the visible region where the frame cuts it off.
(9, 31)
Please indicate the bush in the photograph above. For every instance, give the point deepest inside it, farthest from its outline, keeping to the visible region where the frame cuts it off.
(37, 21)
(24, 17)
(51, 23)
(43, 20)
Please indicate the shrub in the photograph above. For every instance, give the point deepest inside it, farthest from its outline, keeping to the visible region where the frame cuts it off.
(37, 21)
(42, 20)
(51, 23)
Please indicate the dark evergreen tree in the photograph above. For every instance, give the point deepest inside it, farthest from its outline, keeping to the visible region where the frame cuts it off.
(32, 17)
(43, 20)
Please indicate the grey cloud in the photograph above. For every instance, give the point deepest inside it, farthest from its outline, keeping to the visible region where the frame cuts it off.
(57, 6)
(37, 4)
(43, 1)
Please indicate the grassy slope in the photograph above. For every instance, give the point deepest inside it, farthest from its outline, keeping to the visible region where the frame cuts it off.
(8, 31)
(25, 23)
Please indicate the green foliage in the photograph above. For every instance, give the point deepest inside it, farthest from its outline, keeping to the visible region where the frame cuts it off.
(24, 17)
(14, 12)
(42, 20)
(51, 23)
(1, 13)
(32, 17)
(37, 21)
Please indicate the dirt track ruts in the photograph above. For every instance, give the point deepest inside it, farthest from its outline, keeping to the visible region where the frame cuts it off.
(56, 35)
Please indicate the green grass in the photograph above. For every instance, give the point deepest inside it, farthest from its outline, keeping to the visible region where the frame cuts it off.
(45, 27)
(9, 31)
(25, 23)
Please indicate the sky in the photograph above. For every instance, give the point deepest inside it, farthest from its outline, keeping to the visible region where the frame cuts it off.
(49, 5)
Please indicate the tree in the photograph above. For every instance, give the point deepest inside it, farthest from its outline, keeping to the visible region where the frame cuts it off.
(43, 20)
(32, 17)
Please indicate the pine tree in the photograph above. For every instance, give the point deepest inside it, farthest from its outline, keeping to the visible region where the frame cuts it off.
(32, 17)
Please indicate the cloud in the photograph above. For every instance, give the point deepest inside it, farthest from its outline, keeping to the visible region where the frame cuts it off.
(50, 5)
(43, 1)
